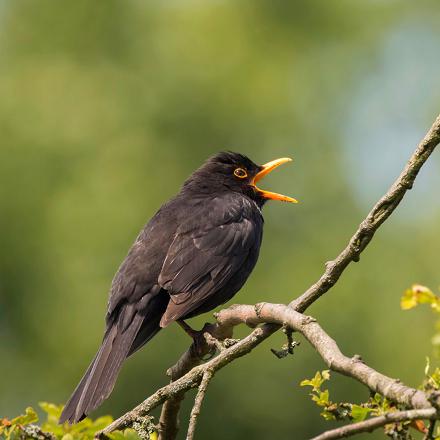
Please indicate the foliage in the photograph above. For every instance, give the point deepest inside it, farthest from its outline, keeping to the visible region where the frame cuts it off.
(24, 427)
(411, 298)
(377, 404)
(419, 294)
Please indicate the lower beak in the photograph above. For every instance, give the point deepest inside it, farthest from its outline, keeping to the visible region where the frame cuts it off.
(266, 169)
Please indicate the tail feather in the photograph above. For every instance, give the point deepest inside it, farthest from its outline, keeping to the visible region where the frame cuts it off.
(99, 379)
(128, 332)
(69, 409)
(151, 324)
(146, 332)
(102, 377)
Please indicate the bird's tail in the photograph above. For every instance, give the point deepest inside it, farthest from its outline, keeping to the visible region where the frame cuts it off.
(120, 341)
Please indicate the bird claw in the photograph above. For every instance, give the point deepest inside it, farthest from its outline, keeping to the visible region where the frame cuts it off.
(203, 339)
(194, 334)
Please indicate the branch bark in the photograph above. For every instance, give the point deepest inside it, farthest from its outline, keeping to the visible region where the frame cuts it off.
(327, 348)
(188, 381)
(380, 212)
(279, 314)
(377, 422)
(198, 404)
(187, 374)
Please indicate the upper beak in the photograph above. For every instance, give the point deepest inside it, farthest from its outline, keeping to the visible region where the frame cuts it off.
(266, 169)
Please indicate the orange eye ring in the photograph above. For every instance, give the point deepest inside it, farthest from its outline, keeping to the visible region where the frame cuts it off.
(240, 173)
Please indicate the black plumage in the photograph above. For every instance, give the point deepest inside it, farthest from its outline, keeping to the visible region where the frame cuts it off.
(193, 255)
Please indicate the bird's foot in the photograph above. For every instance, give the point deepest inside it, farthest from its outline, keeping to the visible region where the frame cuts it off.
(203, 345)
(194, 334)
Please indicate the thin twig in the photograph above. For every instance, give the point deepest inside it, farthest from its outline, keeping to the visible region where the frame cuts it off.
(169, 420)
(198, 404)
(370, 425)
(380, 212)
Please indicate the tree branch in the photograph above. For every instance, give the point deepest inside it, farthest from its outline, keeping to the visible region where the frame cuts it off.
(169, 422)
(327, 348)
(376, 422)
(188, 381)
(279, 314)
(198, 404)
(186, 374)
(380, 212)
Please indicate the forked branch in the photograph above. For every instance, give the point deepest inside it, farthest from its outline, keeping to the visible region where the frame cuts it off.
(187, 373)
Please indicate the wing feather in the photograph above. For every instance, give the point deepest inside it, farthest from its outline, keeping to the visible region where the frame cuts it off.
(201, 261)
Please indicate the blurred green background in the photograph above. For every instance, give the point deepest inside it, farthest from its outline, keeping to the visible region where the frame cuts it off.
(107, 106)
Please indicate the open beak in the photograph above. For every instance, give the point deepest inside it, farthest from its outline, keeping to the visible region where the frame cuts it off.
(266, 169)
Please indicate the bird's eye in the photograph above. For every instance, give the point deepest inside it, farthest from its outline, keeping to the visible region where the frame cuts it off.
(240, 173)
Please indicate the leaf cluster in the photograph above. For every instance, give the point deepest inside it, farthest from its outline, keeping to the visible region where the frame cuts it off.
(418, 294)
(24, 427)
(376, 405)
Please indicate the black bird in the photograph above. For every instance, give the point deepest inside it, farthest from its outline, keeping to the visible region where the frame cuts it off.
(193, 255)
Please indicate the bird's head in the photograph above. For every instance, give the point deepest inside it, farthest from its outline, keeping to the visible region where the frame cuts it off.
(236, 172)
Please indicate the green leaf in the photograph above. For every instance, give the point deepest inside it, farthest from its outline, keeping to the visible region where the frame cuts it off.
(29, 417)
(428, 365)
(321, 399)
(116, 435)
(328, 415)
(419, 294)
(359, 413)
(306, 382)
(128, 434)
(317, 381)
(436, 305)
(435, 378)
(81, 426)
(377, 398)
(131, 434)
(325, 375)
(53, 412)
(102, 422)
(408, 302)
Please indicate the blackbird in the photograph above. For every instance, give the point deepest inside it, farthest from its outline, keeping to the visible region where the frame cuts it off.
(194, 254)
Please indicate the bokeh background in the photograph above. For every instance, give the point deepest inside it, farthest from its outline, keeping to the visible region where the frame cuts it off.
(107, 106)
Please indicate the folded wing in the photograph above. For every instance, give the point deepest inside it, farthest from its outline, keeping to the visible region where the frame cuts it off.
(201, 262)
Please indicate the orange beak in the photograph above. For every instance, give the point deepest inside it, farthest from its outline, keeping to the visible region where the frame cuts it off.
(266, 169)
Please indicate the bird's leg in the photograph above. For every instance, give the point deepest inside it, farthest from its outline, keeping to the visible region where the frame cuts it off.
(194, 334)
(198, 337)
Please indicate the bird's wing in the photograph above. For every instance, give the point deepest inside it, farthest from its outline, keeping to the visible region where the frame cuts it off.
(208, 249)
(136, 280)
